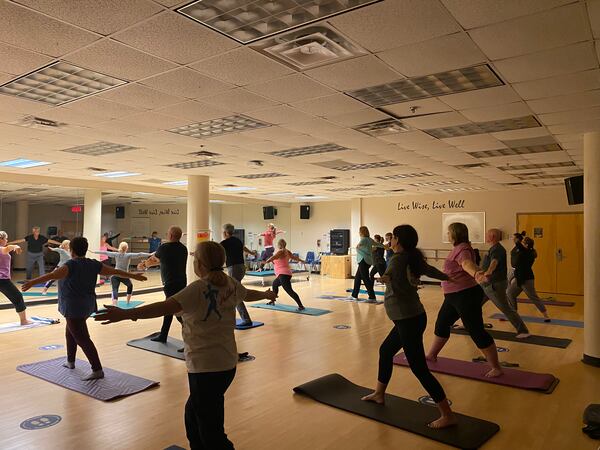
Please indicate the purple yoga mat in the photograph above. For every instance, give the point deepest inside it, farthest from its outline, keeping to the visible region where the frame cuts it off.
(115, 384)
(542, 382)
(547, 302)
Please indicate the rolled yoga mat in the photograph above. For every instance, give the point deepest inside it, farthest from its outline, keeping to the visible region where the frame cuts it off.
(547, 302)
(532, 319)
(347, 299)
(239, 326)
(168, 348)
(364, 291)
(37, 322)
(335, 390)
(542, 382)
(293, 309)
(114, 385)
(534, 339)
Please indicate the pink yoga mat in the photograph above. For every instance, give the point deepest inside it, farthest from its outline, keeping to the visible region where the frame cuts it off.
(522, 379)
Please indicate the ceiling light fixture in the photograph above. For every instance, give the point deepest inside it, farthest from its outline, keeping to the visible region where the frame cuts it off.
(22, 163)
(176, 183)
(236, 188)
(311, 197)
(492, 126)
(406, 175)
(219, 127)
(255, 176)
(311, 150)
(516, 151)
(383, 127)
(196, 164)
(117, 174)
(99, 149)
(345, 166)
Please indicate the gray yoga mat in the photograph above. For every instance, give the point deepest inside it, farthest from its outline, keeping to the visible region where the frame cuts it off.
(114, 385)
(293, 309)
(335, 390)
(168, 349)
(349, 300)
(545, 341)
(533, 319)
(547, 302)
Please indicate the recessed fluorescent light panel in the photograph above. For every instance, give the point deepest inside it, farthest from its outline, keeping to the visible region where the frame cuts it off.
(23, 163)
(59, 83)
(279, 194)
(460, 189)
(219, 127)
(516, 151)
(406, 175)
(196, 164)
(310, 197)
(99, 149)
(236, 188)
(312, 150)
(435, 85)
(118, 174)
(436, 183)
(537, 166)
(383, 127)
(255, 176)
(542, 175)
(309, 183)
(347, 166)
(216, 201)
(176, 183)
(341, 189)
(309, 47)
(249, 20)
(493, 126)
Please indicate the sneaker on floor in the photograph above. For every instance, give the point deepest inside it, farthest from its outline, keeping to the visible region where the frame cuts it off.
(350, 299)
(522, 335)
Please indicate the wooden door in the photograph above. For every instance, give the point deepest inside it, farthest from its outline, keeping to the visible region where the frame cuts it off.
(542, 229)
(569, 254)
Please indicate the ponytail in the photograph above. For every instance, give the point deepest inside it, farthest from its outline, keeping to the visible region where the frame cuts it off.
(408, 238)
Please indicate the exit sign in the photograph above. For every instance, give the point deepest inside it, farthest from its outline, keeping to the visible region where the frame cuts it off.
(76, 209)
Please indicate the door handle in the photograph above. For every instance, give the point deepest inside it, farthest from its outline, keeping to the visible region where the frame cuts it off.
(559, 255)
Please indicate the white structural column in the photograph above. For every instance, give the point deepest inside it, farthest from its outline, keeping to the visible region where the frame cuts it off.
(591, 239)
(21, 229)
(198, 209)
(92, 217)
(215, 223)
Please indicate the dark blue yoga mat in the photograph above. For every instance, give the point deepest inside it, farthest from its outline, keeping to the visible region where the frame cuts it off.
(293, 309)
(238, 325)
(364, 291)
(347, 299)
(532, 319)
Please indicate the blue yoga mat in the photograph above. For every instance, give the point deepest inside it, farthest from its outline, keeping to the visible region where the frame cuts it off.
(238, 325)
(346, 299)
(364, 291)
(40, 285)
(292, 309)
(268, 273)
(531, 319)
(39, 294)
(123, 305)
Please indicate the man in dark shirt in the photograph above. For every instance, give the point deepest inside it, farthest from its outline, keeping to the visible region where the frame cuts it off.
(236, 267)
(172, 257)
(494, 267)
(35, 250)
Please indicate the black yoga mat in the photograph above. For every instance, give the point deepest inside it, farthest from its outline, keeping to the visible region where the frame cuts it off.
(168, 349)
(546, 341)
(335, 390)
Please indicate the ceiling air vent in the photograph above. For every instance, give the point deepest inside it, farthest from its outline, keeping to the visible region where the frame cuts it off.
(383, 127)
(203, 154)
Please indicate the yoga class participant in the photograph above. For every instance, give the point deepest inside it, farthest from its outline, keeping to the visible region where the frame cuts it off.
(268, 237)
(494, 268)
(405, 310)
(518, 241)
(122, 262)
(463, 298)
(154, 242)
(364, 257)
(35, 251)
(64, 253)
(207, 307)
(104, 259)
(77, 300)
(236, 267)
(172, 257)
(379, 264)
(389, 252)
(523, 280)
(281, 263)
(7, 287)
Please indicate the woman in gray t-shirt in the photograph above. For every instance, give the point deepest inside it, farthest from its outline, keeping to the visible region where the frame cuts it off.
(404, 308)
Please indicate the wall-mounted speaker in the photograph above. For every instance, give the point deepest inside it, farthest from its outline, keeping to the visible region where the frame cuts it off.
(269, 212)
(120, 212)
(305, 211)
(574, 187)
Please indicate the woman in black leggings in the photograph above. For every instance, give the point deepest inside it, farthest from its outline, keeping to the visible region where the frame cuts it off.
(281, 264)
(379, 264)
(463, 298)
(7, 288)
(404, 308)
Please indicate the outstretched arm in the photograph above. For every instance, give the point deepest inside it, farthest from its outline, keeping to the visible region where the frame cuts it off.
(107, 270)
(11, 248)
(251, 252)
(113, 314)
(297, 258)
(274, 257)
(17, 241)
(150, 262)
(253, 295)
(57, 274)
(53, 242)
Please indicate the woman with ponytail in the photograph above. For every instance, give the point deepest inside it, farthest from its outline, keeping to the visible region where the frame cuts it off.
(404, 308)
(207, 307)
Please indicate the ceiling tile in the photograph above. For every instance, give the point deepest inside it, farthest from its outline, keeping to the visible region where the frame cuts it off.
(173, 37)
(103, 108)
(238, 100)
(475, 142)
(102, 16)
(423, 106)
(17, 61)
(393, 23)
(578, 127)
(156, 120)
(186, 83)
(111, 58)
(51, 37)
(194, 111)
(70, 116)
(330, 105)
(241, 66)
(482, 97)
(525, 133)
(549, 63)
(476, 13)
(497, 112)
(549, 29)
(435, 55)
(354, 73)
(279, 115)
(13, 104)
(576, 100)
(291, 88)
(358, 118)
(439, 120)
(564, 84)
(140, 96)
(578, 115)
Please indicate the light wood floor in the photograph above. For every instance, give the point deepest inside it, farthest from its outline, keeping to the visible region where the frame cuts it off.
(262, 413)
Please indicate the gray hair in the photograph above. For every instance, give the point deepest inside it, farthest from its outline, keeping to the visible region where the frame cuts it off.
(3, 235)
(228, 228)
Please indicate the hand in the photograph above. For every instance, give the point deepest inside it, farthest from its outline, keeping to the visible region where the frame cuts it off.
(141, 266)
(18, 250)
(385, 279)
(139, 277)
(111, 315)
(26, 286)
(270, 295)
(481, 277)
(254, 252)
(191, 253)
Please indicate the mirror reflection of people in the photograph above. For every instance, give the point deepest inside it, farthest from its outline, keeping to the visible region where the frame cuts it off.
(7, 287)
(364, 258)
(35, 251)
(154, 242)
(268, 238)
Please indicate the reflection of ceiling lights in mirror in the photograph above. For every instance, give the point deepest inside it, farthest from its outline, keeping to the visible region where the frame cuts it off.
(22, 163)
(310, 47)
(59, 83)
(250, 20)
(117, 174)
(236, 188)
(176, 183)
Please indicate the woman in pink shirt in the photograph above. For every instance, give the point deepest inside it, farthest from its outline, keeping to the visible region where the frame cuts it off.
(463, 299)
(104, 259)
(268, 237)
(281, 262)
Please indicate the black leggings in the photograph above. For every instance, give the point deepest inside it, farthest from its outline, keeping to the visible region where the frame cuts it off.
(169, 291)
(285, 281)
(362, 274)
(466, 305)
(13, 294)
(377, 269)
(205, 410)
(408, 334)
(116, 282)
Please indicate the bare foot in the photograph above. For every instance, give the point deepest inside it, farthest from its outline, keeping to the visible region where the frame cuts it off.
(26, 322)
(522, 335)
(375, 397)
(494, 373)
(443, 422)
